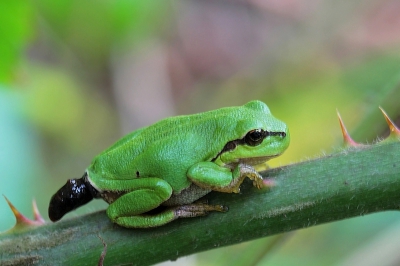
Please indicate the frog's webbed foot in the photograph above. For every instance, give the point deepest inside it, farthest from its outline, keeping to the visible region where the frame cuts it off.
(197, 209)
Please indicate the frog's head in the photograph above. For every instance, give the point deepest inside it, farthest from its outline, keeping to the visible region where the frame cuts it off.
(259, 137)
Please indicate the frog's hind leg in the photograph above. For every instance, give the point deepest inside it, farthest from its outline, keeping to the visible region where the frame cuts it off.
(143, 195)
(132, 209)
(172, 213)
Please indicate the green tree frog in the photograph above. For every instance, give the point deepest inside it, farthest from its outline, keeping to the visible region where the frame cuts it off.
(156, 174)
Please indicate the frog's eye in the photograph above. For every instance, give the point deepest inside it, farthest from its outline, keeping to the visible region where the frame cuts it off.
(254, 137)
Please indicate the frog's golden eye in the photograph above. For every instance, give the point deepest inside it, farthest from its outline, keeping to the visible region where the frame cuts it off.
(254, 137)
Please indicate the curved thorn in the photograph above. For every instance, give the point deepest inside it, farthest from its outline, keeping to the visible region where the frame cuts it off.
(21, 219)
(38, 218)
(348, 141)
(394, 130)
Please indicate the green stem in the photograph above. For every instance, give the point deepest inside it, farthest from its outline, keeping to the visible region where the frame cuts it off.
(350, 183)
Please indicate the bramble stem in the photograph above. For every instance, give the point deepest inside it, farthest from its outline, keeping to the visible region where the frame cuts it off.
(350, 183)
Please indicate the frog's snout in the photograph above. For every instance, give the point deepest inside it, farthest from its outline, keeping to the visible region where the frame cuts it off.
(75, 193)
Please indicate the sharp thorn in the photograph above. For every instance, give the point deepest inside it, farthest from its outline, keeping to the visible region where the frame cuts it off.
(348, 141)
(21, 220)
(36, 213)
(394, 130)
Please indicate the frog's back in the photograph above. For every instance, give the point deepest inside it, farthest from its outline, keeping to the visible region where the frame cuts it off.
(169, 147)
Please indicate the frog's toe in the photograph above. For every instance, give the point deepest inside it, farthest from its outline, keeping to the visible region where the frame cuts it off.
(197, 209)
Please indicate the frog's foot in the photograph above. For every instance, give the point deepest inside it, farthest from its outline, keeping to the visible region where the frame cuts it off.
(197, 209)
(240, 173)
(248, 171)
(173, 213)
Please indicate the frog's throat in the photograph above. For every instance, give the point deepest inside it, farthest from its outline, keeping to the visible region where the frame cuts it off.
(256, 160)
(253, 161)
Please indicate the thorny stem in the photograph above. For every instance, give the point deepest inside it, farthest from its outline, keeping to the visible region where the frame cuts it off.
(350, 183)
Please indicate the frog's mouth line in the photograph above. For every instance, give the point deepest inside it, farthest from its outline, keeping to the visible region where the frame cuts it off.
(257, 160)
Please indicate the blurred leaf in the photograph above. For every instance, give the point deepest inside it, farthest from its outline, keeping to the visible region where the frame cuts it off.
(91, 28)
(67, 111)
(372, 74)
(15, 31)
(137, 18)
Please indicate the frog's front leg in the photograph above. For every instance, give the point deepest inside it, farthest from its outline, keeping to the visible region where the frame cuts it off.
(212, 176)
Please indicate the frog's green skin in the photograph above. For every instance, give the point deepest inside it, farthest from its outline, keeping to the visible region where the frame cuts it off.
(180, 159)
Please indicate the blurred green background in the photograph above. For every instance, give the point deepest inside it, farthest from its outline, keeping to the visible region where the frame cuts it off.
(77, 75)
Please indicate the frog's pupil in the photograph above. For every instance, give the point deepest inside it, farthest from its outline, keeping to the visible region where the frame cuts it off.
(255, 137)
